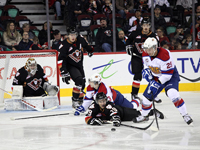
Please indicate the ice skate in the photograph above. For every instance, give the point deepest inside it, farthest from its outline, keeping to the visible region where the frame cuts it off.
(140, 119)
(188, 119)
(135, 97)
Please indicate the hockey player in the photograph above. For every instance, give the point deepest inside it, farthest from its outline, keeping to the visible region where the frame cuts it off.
(161, 72)
(71, 63)
(102, 109)
(134, 48)
(96, 86)
(34, 81)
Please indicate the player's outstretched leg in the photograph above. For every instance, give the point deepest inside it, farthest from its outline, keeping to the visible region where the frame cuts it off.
(179, 103)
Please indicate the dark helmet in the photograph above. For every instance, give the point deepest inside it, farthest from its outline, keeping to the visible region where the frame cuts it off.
(71, 30)
(100, 96)
(145, 21)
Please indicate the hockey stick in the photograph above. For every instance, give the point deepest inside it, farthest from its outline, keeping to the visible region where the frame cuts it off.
(134, 54)
(140, 128)
(38, 116)
(154, 109)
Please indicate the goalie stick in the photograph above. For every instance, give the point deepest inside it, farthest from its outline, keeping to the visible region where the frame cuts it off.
(140, 128)
(38, 116)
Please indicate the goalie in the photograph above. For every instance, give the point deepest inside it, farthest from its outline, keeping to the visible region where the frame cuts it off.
(34, 81)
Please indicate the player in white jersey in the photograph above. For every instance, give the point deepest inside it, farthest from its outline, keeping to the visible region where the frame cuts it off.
(96, 86)
(160, 71)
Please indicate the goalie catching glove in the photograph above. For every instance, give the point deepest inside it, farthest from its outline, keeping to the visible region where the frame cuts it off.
(51, 90)
(116, 120)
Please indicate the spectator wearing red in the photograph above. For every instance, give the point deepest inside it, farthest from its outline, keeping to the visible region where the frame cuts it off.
(161, 35)
(197, 31)
(107, 8)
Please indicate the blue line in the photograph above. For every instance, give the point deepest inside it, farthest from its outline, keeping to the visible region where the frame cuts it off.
(107, 64)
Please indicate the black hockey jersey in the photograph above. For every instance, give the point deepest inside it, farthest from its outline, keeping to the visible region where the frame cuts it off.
(137, 38)
(32, 85)
(72, 53)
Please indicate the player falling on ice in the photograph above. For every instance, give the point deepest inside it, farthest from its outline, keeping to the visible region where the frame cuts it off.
(71, 63)
(161, 72)
(102, 109)
(134, 48)
(34, 81)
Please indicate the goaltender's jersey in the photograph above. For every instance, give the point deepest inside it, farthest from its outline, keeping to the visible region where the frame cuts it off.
(162, 66)
(94, 111)
(32, 85)
(137, 38)
(92, 92)
(72, 53)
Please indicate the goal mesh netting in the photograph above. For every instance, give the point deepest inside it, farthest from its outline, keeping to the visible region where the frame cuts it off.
(10, 62)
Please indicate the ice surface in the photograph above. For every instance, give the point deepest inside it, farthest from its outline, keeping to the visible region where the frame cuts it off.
(70, 132)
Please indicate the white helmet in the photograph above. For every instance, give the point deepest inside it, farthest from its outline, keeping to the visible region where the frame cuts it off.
(150, 42)
(31, 66)
(96, 78)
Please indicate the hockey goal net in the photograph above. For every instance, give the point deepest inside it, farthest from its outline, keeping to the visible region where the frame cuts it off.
(10, 62)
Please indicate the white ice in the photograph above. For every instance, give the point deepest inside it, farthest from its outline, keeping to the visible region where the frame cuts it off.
(70, 132)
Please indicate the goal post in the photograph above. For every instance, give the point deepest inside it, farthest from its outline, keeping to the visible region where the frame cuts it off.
(11, 61)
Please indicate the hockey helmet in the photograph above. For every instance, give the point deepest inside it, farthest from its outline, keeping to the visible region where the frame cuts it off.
(150, 45)
(100, 96)
(71, 30)
(95, 80)
(31, 66)
(145, 21)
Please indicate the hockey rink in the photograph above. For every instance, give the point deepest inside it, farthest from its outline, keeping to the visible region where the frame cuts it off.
(69, 132)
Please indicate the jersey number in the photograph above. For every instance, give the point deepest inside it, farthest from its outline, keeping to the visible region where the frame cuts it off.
(169, 65)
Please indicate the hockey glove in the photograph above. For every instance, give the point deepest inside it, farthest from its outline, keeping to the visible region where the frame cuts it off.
(79, 110)
(129, 49)
(146, 73)
(116, 120)
(153, 87)
(65, 77)
(96, 121)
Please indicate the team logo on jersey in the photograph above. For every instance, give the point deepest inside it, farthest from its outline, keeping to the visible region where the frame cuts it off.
(107, 32)
(35, 84)
(76, 56)
(139, 47)
(155, 70)
(147, 60)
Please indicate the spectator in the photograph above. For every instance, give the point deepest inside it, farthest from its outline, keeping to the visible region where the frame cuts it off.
(183, 6)
(197, 31)
(93, 7)
(43, 33)
(59, 6)
(135, 21)
(187, 42)
(124, 7)
(172, 43)
(161, 35)
(25, 43)
(179, 33)
(141, 5)
(177, 46)
(189, 24)
(164, 5)
(121, 41)
(164, 44)
(11, 36)
(104, 38)
(107, 8)
(36, 45)
(57, 40)
(26, 28)
(159, 20)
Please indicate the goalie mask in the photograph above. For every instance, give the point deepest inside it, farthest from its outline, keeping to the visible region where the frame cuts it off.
(150, 46)
(31, 66)
(95, 80)
(101, 99)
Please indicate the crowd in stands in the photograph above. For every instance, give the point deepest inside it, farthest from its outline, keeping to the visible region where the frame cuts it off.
(172, 24)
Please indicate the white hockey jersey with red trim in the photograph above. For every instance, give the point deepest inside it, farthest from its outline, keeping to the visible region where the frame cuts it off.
(161, 66)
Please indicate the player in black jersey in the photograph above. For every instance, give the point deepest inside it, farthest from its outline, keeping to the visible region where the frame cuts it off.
(102, 109)
(33, 79)
(134, 48)
(71, 63)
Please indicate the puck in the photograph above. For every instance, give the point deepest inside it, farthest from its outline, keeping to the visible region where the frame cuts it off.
(113, 129)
